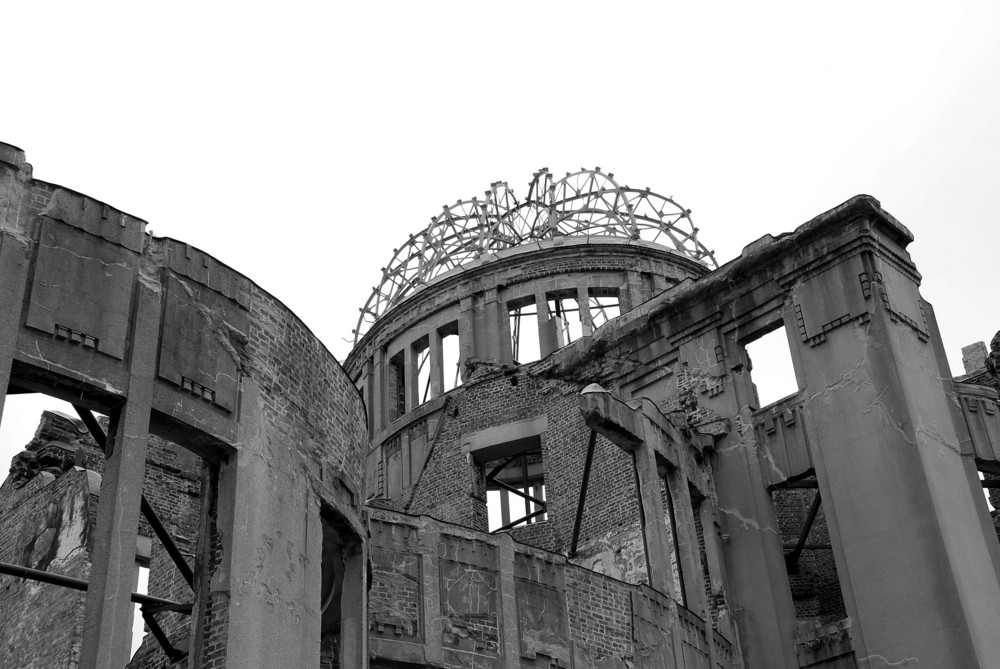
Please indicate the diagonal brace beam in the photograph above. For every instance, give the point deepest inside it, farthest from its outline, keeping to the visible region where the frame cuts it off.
(792, 557)
(144, 506)
(583, 492)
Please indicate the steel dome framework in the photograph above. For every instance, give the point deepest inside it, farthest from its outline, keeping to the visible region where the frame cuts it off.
(584, 203)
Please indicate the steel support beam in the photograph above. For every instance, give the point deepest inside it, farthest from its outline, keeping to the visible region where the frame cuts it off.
(583, 492)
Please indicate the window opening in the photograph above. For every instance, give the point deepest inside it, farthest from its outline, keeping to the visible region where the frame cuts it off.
(451, 360)
(809, 561)
(566, 311)
(771, 367)
(515, 490)
(138, 624)
(524, 331)
(603, 307)
(422, 352)
(396, 386)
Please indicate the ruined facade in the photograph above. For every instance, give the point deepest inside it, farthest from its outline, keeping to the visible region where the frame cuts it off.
(546, 448)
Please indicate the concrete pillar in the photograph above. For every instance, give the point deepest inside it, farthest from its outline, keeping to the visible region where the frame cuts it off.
(687, 542)
(754, 560)
(429, 574)
(636, 289)
(654, 530)
(14, 252)
(107, 617)
(354, 609)
(509, 624)
(378, 391)
(436, 361)
(583, 301)
(411, 378)
(466, 334)
(915, 567)
(492, 344)
(15, 249)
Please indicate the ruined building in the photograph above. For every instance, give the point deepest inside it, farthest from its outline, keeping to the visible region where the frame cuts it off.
(546, 449)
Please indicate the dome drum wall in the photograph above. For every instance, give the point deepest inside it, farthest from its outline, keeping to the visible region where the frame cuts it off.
(475, 303)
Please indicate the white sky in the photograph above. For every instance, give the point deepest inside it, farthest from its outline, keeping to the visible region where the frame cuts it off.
(301, 142)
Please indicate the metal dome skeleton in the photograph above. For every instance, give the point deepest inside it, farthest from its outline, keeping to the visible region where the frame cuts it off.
(583, 203)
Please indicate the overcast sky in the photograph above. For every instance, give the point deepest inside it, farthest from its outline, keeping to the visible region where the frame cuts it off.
(299, 143)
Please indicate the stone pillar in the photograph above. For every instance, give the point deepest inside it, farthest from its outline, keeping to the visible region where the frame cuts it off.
(436, 361)
(887, 458)
(654, 530)
(108, 615)
(548, 327)
(583, 302)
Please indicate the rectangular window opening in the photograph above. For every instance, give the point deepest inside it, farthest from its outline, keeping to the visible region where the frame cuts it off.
(451, 359)
(604, 305)
(566, 311)
(395, 383)
(422, 354)
(515, 490)
(770, 367)
(523, 331)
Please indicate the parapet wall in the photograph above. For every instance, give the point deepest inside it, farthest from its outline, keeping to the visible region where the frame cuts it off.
(444, 595)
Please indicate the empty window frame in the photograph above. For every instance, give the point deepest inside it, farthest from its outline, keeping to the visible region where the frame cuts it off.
(523, 316)
(564, 308)
(770, 367)
(422, 356)
(395, 384)
(604, 305)
(451, 357)
(515, 490)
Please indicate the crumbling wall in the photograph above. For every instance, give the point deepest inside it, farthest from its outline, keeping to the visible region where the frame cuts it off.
(45, 525)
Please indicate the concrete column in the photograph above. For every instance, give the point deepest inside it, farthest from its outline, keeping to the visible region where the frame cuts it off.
(107, 618)
(14, 253)
(713, 555)
(754, 560)
(430, 575)
(353, 610)
(914, 564)
(466, 334)
(687, 542)
(637, 289)
(548, 326)
(583, 301)
(378, 391)
(492, 346)
(15, 249)
(367, 385)
(654, 530)
(436, 361)
(509, 624)
(411, 379)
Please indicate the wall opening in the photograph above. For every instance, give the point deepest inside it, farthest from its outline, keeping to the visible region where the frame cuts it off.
(451, 357)
(515, 493)
(809, 560)
(342, 593)
(770, 366)
(523, 316)
(138, 624)
(604, 305)
(566, 310)
(395, 387)
(422, 355)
